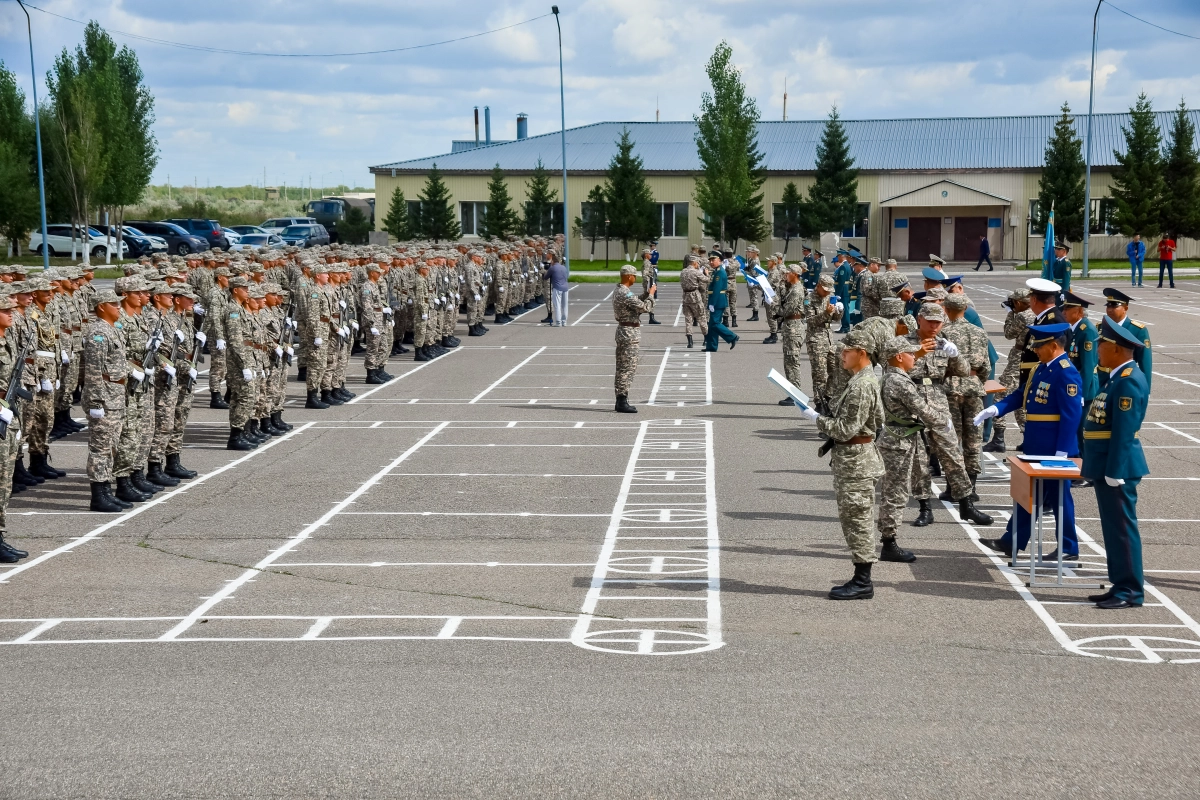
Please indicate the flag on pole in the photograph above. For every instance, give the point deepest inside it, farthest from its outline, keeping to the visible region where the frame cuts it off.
(1048, 249)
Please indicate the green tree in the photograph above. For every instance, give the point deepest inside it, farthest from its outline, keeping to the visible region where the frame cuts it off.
(396, 221)
(632, 212)
(1061, 185)
(438, 220)
(590, 225)
(355, 228)
(833, 198)
(732, 165)
(1179, 214)
(501, 220)
(18, 165)
(539, 203)
(1138, 180)
(790, 208)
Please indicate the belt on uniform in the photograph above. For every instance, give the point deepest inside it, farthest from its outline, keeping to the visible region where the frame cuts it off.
(1043, 417)
(796, 316)
(938, 382)
(631, 324)
(111, 379)
(324, 319)
(863, 439)
(1103, 434)
(1029, 364)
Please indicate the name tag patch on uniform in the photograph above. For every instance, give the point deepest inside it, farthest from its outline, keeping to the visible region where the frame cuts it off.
(1072, 389)
(97, 338)
(1124, 403)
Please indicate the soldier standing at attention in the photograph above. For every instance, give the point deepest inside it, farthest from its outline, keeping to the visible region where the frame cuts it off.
(752, 287)
(215, 303)
(791, 309)
(1062, 265)
(240, 347)
(851, 424)
(1113, 460)
(315, 328)
(11, 444)
(1116, 308)
(134, 325)
(627, 309)
(693, 282)
(1081, 349)
(649, 280)
(842, 276)
(718, 302)
(105, 374)
(731, 273)
(964, 393)
(819, 312)
(775, 277)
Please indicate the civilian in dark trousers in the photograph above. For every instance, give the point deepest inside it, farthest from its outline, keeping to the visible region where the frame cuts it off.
(1166, 259)
(985, 253)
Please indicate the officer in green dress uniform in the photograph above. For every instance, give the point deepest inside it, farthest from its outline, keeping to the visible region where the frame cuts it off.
(1081, 348)
(1116, 308)
(1114, 461)
(812, 269)
(718, 302)
(842, 278)
(1061, 271)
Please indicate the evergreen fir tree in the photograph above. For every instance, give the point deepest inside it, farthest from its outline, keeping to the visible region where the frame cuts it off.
(1061, 185)
(438, 220)
(501, 219)
(833, 198)
(1179, 214)
(590, 225)
(632, 212)
(1138, 181)
(396, 221)
(355, 228)
(539, 203)
(791, 206)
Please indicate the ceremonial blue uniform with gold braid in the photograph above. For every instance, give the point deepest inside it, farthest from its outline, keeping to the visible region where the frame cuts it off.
(718, 301)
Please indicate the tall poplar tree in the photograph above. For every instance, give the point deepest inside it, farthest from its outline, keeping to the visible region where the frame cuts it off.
(501, 219)
(1179, 214)
(539, 203)
(1138, 181)
(1061, 185)
(732, 166)
(632, 212)
(832, 203)
(438, 220)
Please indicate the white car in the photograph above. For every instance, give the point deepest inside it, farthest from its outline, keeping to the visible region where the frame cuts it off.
(58, 242)
(258, 241)
(233, 236)
(279, 223)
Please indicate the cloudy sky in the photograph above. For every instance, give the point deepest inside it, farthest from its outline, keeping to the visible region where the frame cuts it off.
(224, 118)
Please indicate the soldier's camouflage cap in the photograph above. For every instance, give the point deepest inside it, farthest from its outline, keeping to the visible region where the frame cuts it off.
(184, 291)
(104, 296)
(826, 281)
(257, 291)
(7, 303)
(160, 287)
(957, 301)
(858, 339)
(795, 269)
(936, 293)
(238, 280)
(16, 287)
(36, 283)
(131, 283)
(321, 269)
(897, 345)
(932, 311)
(222, 271)
(891, 308)
(909, 321)
(628, 269)
(1018, 295)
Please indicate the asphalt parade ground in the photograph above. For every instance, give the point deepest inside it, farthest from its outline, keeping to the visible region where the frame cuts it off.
(479, 581)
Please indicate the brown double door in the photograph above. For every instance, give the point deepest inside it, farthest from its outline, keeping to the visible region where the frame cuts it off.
(924, 237)
(967, 231)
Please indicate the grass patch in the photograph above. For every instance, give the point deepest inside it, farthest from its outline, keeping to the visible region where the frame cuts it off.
(615, 264)
(1107, 263)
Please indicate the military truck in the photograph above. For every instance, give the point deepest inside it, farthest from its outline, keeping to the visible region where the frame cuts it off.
(331, 210)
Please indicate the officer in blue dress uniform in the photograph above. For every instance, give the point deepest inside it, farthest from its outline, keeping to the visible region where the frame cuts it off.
(1113, 460)
(1116, 308)
(1053, 403)
(1061, 269)
(1081, 348)
(654, 254)
(718, 303)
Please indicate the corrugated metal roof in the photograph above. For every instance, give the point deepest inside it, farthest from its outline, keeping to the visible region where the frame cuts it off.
(958, 143)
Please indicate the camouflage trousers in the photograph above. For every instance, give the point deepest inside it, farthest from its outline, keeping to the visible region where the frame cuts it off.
(39, 417)
(216, 369)
(166, 402)
(475, 309)
(818, 351)
(183, 409)
(242, 397)
(792, 337)
(103, 437)
(379, 346)
(139, 416)
(772, 320)
(544, 290)
(343, 361)
(315, 358)
(277, 386)
(629, 342)
(905, 474)
(1010, 378)
(962, 413)
(756, 295)
(68, 376)
(10, 449)
(694, 314)
(262, 401)
(856, 467)
(421, 333)
(943, 442)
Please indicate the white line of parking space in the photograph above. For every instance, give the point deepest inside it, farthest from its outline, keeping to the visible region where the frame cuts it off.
(507, 375)
(1162, 631)
(584, 314)
(1178, 380)
(11, 572)
(363, 395)
(683, 379)
(667, 497)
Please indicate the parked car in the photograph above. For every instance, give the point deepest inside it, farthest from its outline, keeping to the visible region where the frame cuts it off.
(259, 241)
(178, 240)
(207, 229)
(279, 223)
(329, 211)
(232, 235)
(242, 230)
(305, 235)
(58, 242)
(138, 243)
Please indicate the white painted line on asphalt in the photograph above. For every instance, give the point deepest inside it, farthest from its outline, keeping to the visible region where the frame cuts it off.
(459, 514)
(232, 586)
(1165, 426)
(422, 564)
(678, 316)
(128, 515)
(36, 632)
(658, 378)
(584, 314)
(506, 375)
(418, 368)
(1180, 380)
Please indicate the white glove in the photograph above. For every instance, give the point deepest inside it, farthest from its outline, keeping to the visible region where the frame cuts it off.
(95, 413)
(711, 309)
(1061, 454)
(840, 308)
(342, 303)
(138, 375)
(192, 373)
(247, 375)
(985, 415)
(948, 347)
(6, 415)
(374, 331)
(278, 352)
(1108, 480)
(169, 370)
(288, 322)
(437, 301)
(950, 426)
(57, 383)
(410, 301)
(345, 331)
(47, 386)
(354, 325)
(179, 334)
(387, 310)
(290, 351)
(460, 279)
(220, 344)
(199, 308)
(66, 357)
(501, 289)
(317, 342)
(424, 316)
(809, 413)
(477, 298)
(201, 337)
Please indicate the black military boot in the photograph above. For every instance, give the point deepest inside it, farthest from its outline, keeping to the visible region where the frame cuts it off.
(177, 470)
(129, 493)
(347, 395)
(996, 445)
(654, 321)
(473, 330)
(71, 423)
(772, 339)
(945, 495)
(238, 440)
(302, 374)
(277, 421)
(935, 466)
(857, 588)
(421, 355)
(7, 548)
(24, 476)
(155, 474)
(328, 397)
(623, 405)
(314, 401)
(374, 377)
(689, 338)
(7, 556)
(266, 428)
(40, 466)
(754, 316)
(254, 434)
(968, 511)
(500, 320)
(549, 318)
(216, 401)
(408, 338)
(138, 479)
(734, 318)
(894, 552)
(974, 496)
(57, 430)
(17, 486)
(925, 517)
(448, 343)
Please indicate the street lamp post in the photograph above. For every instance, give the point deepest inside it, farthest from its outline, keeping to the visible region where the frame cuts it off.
(606, 243)
(562, 107)
(37, 125)
(1087, 180)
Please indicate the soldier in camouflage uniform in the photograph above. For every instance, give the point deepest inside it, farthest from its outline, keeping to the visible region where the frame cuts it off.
(214, 304)
(693, 283)
(819, 313)
(965, 394)
(854, 417)
(166, 388)
(1016, 325)
(10, 446)
(315, 329)
(105, 393)
(627, 309)
(240, 348)
(376, 320)
(475, 287)
(422, 306)
(38, 415)
(135, 326)
(776, 277)
(70, 315)
(185, 367)
(791, 328)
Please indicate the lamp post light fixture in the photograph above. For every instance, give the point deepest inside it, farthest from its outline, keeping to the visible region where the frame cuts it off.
(37, 125)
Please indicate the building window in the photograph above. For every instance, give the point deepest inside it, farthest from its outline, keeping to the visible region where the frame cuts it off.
(550, 223)
(472, 215)
(784, 225)
(858, 227)
(1037, 227)
(673, 218)
(414, 215)
(1103, 211)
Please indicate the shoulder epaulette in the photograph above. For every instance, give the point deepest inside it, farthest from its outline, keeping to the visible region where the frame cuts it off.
(1064, 362)
(1138, 324)
(1125, 373)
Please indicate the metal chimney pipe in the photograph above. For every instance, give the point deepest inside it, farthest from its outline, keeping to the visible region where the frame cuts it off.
(476, 125)
(487, 124)
(522, 126)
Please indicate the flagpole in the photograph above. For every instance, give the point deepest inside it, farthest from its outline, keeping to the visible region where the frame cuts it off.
(1087, 180)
